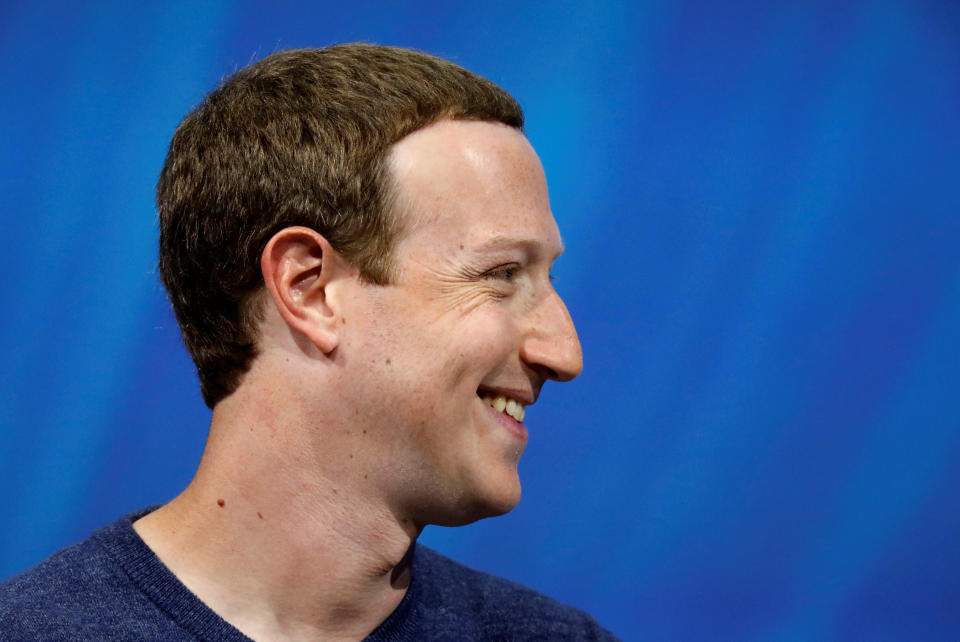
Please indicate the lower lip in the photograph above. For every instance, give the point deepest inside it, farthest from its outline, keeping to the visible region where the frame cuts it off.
(514, 427)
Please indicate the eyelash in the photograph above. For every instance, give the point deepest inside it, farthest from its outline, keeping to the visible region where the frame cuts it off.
(505, 272)
(509, 273)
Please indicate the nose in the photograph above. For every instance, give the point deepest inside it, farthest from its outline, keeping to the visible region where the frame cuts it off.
(551, 345)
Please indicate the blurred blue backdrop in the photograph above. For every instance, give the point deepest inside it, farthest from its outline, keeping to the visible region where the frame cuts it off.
(760, 207)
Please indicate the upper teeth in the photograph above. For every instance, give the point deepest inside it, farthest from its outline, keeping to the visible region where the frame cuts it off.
(510, 406)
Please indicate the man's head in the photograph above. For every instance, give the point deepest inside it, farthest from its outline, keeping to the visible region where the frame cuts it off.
(300, 138)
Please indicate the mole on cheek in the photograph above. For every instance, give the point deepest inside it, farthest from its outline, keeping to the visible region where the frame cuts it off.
(220, 503)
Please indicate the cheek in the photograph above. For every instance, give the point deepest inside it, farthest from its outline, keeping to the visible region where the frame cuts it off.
(479, 349)
(425, 366)
(491, 335)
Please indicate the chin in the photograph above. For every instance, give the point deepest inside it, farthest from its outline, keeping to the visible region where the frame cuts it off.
(491, 503)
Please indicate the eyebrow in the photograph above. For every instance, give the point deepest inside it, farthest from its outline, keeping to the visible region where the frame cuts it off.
(511, 242)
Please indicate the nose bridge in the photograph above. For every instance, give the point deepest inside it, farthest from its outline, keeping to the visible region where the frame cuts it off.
(552, 341)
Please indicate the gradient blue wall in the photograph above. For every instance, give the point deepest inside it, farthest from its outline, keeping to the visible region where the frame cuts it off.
(760, 206)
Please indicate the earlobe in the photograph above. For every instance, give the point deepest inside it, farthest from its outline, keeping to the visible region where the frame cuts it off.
(298, 265)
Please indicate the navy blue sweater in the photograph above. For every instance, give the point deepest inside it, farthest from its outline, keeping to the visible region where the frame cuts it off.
(112, 587)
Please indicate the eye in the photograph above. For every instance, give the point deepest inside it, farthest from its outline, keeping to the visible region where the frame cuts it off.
(506, 272)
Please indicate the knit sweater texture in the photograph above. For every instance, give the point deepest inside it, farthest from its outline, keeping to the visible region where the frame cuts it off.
(112, 587)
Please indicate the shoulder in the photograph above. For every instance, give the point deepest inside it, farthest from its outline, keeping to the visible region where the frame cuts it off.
(464, 599)
(59, 588)
(78, 593)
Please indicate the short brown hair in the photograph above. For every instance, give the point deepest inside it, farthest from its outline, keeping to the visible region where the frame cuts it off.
(298, 138)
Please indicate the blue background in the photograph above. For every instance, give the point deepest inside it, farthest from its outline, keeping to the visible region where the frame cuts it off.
(760, 207)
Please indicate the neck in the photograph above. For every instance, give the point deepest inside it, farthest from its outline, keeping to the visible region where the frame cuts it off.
(279, 536)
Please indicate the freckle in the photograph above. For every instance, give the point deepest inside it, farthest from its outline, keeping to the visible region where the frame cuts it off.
(259, 515)
(351, 455)
(343, 320)
(220, 503)
(364, 432)
(388, 360)
(335, 492)
(461, 246)
(364, 475)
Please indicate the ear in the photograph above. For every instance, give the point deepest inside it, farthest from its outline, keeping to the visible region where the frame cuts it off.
(298, 266)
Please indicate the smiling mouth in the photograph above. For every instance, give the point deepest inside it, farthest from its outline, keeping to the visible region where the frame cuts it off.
(508, 406)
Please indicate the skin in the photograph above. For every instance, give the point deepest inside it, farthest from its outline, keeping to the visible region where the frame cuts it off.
(361, 420)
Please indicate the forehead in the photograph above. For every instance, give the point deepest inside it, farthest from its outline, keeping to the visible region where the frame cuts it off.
(472, 183)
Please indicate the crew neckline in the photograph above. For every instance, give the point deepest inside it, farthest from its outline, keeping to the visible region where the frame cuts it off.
(145, 570)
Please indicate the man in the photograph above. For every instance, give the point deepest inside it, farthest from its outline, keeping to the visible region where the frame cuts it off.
(357, 243)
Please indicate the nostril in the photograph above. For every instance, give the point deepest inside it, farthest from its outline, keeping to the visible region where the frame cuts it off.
(544, 372)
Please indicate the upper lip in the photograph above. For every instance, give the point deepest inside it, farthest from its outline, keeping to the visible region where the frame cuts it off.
(526, 397)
